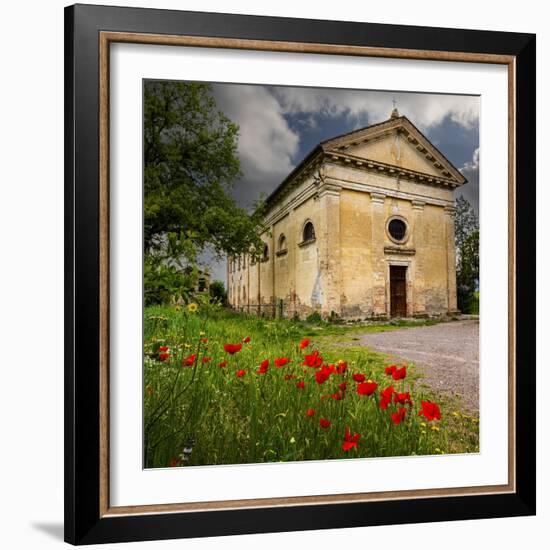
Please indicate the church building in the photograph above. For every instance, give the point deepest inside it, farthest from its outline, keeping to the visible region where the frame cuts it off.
(362, 228)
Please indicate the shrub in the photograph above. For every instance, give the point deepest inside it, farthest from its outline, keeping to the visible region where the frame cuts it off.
(314, 317)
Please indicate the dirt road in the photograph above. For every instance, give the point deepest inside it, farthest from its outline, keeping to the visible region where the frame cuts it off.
(447, 354)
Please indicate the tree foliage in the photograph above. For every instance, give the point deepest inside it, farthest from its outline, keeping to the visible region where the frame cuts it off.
(191, 163)
(190, 166)
(467, 254)
(218, 292)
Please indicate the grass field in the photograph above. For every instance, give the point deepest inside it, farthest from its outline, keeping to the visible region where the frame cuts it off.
(285, 391)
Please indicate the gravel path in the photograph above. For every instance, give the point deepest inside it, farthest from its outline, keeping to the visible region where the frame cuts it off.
(447, 355)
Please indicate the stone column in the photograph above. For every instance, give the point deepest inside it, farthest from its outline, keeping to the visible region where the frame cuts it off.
(247, 283)
(272, 258)
(380, 306)
(417, 278)
(451, 259)
(228, 272)
(328, 238)
(291, 244)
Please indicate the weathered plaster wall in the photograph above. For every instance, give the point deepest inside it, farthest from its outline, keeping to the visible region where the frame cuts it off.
(346, 269)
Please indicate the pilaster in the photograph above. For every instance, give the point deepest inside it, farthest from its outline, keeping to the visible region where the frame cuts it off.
(417, 278)
(379, 266)
(449, 212)
(328, 237)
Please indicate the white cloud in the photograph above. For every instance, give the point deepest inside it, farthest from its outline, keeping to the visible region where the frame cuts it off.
(424, 110)
(473, 164)
(470, 191)
(267, 144)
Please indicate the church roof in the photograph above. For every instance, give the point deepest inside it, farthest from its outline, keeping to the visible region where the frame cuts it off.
(436, 169)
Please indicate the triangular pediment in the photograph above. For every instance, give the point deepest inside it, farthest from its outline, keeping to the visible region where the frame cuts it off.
(396, 142)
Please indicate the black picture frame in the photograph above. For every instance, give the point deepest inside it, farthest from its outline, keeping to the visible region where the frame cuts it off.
(84, 523)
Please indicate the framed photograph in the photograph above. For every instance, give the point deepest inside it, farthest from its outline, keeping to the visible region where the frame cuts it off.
(300, 278)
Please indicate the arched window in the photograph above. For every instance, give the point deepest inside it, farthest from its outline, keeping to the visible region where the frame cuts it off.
(265, 253)
(308, 233)
(282, 242)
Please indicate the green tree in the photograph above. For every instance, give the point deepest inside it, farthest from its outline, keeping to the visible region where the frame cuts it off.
(190, 166)
(218, 292)
(467, 254)
(465, 221)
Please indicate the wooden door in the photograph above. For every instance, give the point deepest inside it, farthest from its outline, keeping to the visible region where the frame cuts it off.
(398, 291)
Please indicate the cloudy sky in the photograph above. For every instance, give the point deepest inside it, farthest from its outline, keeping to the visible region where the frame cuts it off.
(279, 126)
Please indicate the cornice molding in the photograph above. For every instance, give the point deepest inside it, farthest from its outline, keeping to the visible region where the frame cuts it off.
(312, 191)
(361, 163)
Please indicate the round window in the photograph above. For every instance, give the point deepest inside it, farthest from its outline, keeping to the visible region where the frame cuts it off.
(397, 229)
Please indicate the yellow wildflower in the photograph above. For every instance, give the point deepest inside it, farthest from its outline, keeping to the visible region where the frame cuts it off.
(192, 307)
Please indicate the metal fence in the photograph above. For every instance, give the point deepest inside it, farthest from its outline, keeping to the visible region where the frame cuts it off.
(262, 310)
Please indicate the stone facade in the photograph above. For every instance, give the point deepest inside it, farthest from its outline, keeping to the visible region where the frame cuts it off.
(329, 247)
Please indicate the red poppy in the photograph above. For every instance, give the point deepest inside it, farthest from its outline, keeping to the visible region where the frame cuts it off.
(342, 367)
(337, 396)
(310, 412)
(350, 441)
(300, 385)
(223, 364)
(399, 416)
(304, 343)
(164, 356)
(206, 360)
(174, 462)
(262, 369)
(313, 360)
(402, 398)
(323, 374)
(366, 388)
(385, 397)
(430, 411)
(358, 377)
(189, 361)
(390, 370)
(246, 339)
(240, 373)
(281, 362)
(289, 376)
(324, 423)
(232, 348)
(204, 340)
(399, 374)
(343, 386)
(163, 348)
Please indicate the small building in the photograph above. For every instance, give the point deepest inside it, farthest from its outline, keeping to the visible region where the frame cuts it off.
(362, 228)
